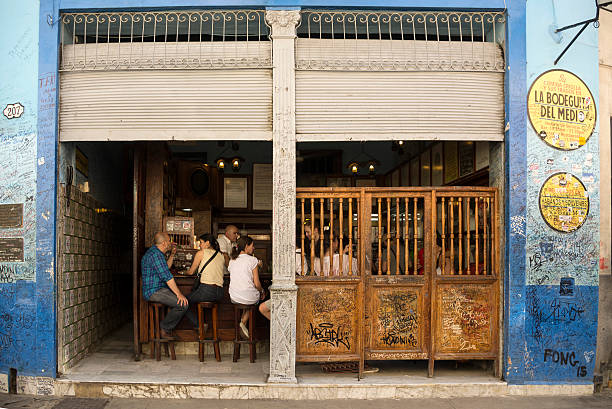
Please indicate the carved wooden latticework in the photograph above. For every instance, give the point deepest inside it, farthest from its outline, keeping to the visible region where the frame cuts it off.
(426, 279)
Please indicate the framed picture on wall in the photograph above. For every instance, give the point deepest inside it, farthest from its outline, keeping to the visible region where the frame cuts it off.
(365, 182)
(437, 165)
(415, 172)
(343, 181)
(426, 168)
(235, 192)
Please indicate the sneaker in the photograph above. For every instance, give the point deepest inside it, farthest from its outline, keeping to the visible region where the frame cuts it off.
(244, 330)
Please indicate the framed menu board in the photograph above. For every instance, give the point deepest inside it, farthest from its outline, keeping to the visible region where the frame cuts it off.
(437, 167)
(405, 174)
(466, 158)
(262, 186)
(414, 171)
(426, 168)
(451, 162)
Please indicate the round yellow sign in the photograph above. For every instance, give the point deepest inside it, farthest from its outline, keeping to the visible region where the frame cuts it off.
(564, 202)
(561, 109)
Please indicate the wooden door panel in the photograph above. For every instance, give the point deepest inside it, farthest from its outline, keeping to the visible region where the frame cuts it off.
(465, 318)
(328, 320)
(399, 322)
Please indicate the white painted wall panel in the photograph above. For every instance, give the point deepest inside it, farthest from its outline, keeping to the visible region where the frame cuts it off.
(166, 105)
(340, 105)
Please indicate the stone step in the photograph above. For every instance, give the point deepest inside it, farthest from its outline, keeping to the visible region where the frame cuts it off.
(301, 391)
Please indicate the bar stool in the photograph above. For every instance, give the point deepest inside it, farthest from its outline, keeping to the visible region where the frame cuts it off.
(202, 334)
(238, 309)
(157, 312)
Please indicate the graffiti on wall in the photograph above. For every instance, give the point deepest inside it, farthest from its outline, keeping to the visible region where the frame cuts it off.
(562, 257)
(18, 173)
(397, 319)
(328, 319)
(466, 320)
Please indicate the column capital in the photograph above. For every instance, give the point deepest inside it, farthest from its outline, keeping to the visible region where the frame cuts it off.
(283, 22)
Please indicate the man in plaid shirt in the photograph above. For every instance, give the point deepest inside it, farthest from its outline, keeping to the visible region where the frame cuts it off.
(158, 285)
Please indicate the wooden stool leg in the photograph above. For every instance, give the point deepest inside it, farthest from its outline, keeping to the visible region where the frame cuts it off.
(157, 335)
(251, 335)
(200, 332)
(172, 352)
(162, 316)
(236, 334)
(215, 335)
(151, 331)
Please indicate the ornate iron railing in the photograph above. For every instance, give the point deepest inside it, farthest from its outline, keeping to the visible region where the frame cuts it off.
(400, 41)
(165, 40)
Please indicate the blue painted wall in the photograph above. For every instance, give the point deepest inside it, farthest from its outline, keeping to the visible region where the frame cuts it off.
(538, 324)
(27, 334)
(551, 338)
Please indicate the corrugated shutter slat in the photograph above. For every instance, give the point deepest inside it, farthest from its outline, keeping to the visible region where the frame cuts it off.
(166, 105)
(335, 105)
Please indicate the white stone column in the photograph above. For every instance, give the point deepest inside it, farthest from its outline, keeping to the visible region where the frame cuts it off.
(283, 290)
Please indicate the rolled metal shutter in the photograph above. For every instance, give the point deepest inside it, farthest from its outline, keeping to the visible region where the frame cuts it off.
(442, 105)
(166, 105)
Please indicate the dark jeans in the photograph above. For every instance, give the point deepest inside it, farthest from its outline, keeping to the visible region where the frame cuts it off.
(204, 293)
(176, 311)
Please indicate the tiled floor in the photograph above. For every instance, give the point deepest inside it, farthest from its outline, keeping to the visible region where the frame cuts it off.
(113, 362)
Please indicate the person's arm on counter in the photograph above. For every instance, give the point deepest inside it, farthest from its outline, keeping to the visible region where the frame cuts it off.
(196, 262)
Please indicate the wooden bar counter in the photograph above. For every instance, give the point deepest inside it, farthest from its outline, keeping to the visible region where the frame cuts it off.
(185, 332)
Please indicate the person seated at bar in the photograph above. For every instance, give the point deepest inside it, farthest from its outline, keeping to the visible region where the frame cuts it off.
(394, 254)
(312, 234)
(447, 256)
(332, 248)
(299, 251)
(211, 277)
(264, 309)
(227, 242)
(158, 284)
(245, 287)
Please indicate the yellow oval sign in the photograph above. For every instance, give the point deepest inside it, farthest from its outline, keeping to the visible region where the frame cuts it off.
(561, 109)
(564, 202)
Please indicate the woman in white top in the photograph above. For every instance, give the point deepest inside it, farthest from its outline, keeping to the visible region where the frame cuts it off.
(245, 287)
(211, 278)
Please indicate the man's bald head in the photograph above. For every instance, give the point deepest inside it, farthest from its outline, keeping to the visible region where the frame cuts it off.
(231, 232)
(162, 241)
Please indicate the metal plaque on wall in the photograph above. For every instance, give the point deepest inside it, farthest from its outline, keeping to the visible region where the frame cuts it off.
(11, 249)
(11, 215)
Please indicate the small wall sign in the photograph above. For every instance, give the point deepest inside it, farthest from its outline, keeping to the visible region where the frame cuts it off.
(561, 109)
(13, 111)
(564, 202)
